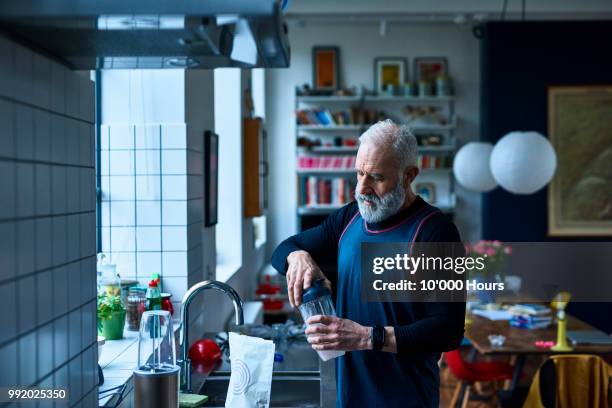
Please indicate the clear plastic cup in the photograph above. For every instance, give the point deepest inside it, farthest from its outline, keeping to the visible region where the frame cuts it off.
(316, 300)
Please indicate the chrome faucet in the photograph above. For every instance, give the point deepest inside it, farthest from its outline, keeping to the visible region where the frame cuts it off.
(193, 291)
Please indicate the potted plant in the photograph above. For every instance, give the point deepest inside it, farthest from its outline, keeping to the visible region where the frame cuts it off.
(111, 317)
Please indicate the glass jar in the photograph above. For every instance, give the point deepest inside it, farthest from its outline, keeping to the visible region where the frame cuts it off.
(135, 307)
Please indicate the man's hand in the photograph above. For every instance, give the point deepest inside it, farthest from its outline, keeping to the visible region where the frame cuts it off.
(335, 333)
(302, 272)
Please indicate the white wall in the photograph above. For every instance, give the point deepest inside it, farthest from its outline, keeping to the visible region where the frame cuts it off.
(359, 45)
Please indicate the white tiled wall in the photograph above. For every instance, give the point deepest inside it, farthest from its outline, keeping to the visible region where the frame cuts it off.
(47, 225)
(147, 190)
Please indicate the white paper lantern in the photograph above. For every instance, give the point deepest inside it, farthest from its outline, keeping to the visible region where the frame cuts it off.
(471, 167)
(523, 162)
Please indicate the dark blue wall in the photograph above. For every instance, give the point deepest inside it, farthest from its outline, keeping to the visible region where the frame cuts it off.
(519, 61)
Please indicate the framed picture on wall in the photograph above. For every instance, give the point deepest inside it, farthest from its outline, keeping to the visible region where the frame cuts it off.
(389, 72)
(211, 177)
(579, 128)
(427, 191)
(326, 68)
(429, 68)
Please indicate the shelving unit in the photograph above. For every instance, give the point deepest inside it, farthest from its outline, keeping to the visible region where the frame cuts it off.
(312, 213)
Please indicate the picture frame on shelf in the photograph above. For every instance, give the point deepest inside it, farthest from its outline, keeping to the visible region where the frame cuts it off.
(390, 74)
(427, 69)
(211, 177)
(325, 68)
(427, 191)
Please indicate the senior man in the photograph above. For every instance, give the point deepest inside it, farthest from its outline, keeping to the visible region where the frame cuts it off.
(392, 348)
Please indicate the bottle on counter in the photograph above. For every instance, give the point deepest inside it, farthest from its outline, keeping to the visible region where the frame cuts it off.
(154, 299)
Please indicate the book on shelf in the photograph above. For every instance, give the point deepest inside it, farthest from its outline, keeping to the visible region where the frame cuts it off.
(327, 162)
(325, 117)
(434, 161)
(332, 191)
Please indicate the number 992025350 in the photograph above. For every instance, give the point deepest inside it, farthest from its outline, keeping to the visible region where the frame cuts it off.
(12, 394)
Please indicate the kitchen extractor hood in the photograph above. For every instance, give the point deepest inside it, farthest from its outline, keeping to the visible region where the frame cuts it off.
(115, 34)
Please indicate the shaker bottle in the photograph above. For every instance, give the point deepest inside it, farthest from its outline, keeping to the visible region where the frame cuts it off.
(316, 300)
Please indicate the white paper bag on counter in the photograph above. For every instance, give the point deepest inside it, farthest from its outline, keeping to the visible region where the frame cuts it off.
(252, 360)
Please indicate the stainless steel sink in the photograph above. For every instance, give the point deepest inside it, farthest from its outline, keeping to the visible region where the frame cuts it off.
(288, 390)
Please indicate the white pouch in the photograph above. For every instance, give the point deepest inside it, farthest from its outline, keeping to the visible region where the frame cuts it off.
(251, 360)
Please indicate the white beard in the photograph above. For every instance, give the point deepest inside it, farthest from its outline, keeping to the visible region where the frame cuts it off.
(381, 208)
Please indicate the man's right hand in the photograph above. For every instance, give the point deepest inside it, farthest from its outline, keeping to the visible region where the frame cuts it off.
(302, 272)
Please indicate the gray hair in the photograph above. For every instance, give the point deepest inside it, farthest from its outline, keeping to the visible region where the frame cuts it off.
(398, 137)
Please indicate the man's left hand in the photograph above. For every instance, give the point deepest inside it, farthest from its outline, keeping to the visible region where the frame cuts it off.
(335, 333)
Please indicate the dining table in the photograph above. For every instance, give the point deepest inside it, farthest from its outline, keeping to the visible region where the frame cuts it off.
(521, 343)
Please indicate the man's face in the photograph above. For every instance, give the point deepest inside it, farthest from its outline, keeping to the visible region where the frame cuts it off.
(380, 191)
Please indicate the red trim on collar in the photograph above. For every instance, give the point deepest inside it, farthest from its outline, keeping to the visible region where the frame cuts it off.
(347, 225)
(365, 224)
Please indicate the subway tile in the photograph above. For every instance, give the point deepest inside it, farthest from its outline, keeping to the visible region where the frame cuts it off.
(7, 68)
(26, 306)
(92, 146)
(87, 98)
(147, 136)
(7, 132)
(105, 232)
(8, 256)
(58, 139)
(125, 261)
(43, 350)
(59, 240)
(88, 234)
(105, 213)
(61, 378)
(148, 263)
(121, 137)
(174, 263)
(104, 137)
(25, 247)
(60, 290)
(9, 320)
(88, 367)
(74, 287)
(24, 132)
(42, 135)
(174, 162)
(175, 286)
(104, 164)
(58, 91)
(74, 333)
(44, 296)
(59, 189)
(88, 279)
(7, 189)
(173, 136)
(105, 188)
(174, 238)
(72, 141)
(73, 189)
(148, 239)
(23, 74)
(148, 187)
(89, 328)
(174, 212)
(75, 373)
(86, 144)
(121, 162)
(43, 189)
(122, 188)
(148, 162)
(44, 239)
(174, 187)
(41, 80)
(87, 195)
(122, 213)
(73, 237)
(123, 239)
(26, 196)
(148, 212)
(27, 359)
(9, 357)
(72, 101)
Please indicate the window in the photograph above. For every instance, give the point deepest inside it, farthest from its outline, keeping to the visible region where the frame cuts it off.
(228, 125)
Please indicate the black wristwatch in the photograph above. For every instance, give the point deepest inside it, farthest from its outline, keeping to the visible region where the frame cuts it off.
(378, 337)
